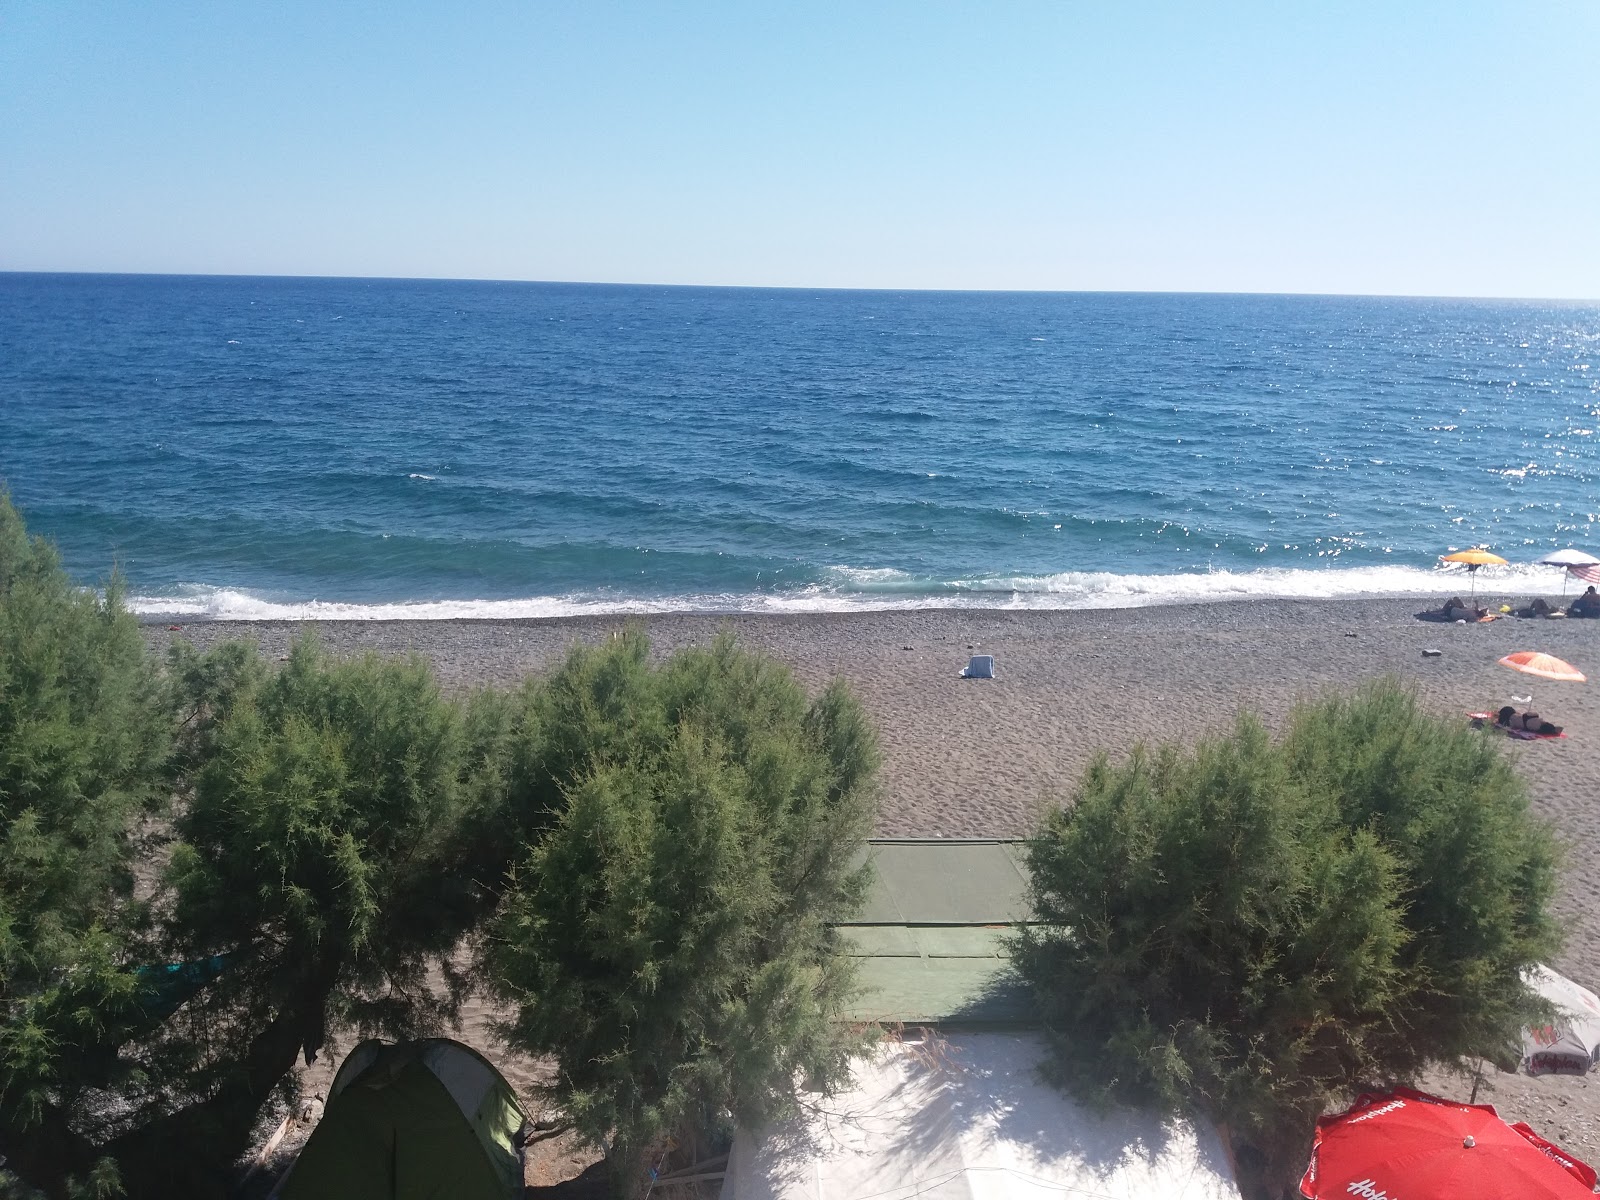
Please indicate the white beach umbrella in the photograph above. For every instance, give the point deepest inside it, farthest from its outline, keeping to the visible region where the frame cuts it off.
(1570, 558)
(1573, 562)
(1571, 1044)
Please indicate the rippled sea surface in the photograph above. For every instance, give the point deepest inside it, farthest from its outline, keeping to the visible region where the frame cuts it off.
(280, 447)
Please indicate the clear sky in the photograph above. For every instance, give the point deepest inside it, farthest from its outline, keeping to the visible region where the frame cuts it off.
(1401, 146)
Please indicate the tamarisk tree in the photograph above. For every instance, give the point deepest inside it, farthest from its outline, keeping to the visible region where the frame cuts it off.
(668, 940)
(1252, 929)
(85, 738)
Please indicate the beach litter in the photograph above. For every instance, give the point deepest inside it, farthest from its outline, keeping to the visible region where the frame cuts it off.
(979, 666)
(1432, 653)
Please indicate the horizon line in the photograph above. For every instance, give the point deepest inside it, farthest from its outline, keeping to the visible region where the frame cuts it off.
(798, 287)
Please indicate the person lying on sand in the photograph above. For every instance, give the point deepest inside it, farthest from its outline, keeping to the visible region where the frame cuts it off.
(1532, 722)
(1540, 607)
(1452, 610)
(1586, 605)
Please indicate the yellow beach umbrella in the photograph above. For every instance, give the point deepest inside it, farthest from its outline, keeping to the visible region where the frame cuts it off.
(1545, 666)
(1472, 560)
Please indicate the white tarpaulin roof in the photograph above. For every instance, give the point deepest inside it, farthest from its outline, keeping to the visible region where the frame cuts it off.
(969, 1119)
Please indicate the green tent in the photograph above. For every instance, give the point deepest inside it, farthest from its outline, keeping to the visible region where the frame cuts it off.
(415, 1121)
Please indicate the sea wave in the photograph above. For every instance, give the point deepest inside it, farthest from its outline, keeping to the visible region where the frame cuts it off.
(847, 589)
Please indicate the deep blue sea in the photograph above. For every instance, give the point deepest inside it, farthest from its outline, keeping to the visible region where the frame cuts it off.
(301, 447)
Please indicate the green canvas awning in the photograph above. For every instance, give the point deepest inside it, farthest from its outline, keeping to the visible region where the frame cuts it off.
(930, 938)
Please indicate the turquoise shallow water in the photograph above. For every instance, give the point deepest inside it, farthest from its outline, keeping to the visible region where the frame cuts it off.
(281, 447)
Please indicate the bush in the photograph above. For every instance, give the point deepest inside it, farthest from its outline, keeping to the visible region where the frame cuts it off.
(323, 865)
(85, 739)
(334, 831)
(329, 845)
(1254, 929)
(668, 940)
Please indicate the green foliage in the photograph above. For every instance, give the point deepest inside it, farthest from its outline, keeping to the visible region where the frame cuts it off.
(1254, 928)
(1478, 871)
(324, 844)
(315, 842)
(85, 735)
(668, 940)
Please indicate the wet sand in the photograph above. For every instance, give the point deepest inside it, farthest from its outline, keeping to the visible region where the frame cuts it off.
(967, 758)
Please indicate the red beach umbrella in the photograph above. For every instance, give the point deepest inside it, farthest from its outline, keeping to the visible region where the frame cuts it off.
(1407, 1145)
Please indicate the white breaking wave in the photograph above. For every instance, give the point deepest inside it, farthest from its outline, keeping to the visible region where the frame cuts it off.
(885, 589)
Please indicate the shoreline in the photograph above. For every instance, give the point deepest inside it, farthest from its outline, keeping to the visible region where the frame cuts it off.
(1072, 591)
(1386, 600)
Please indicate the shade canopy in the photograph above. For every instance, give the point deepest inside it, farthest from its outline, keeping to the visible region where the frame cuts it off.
(1408, 1145)
(1570, 1044)
(1474, 558)
(1569, 558)
(1545, 666)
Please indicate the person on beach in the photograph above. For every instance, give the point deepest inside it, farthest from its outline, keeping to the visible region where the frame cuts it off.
(1586, 605)
(1540, 607)
(1452, 610)
(1530, 722)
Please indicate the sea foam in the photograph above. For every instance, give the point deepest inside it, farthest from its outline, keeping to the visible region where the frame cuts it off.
(883, 589)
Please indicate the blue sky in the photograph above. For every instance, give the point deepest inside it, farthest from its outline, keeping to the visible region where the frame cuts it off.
(1416, 148)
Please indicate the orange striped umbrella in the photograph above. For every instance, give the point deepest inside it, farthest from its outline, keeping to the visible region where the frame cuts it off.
(1545, 666)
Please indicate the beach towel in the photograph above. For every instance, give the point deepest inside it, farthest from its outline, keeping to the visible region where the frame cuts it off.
(1486, 720)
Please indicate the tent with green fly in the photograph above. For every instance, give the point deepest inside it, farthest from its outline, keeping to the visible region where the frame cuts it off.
(413, 1121)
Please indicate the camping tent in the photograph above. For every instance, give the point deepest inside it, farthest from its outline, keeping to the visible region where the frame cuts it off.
(969, 1119)
(411, 1122)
